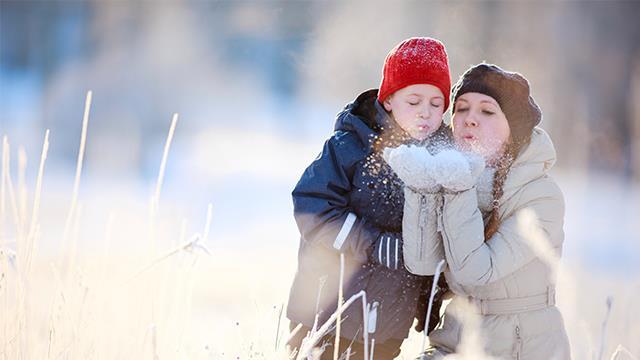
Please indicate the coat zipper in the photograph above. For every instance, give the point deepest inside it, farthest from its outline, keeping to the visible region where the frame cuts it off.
(517, 347)
(421, 222)
(439, 208)
(440, 228)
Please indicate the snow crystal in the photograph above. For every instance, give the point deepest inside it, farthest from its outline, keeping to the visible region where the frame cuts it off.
(450, 168)
(411, 164)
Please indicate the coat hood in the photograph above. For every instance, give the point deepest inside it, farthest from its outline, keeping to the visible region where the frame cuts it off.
(365, 117)
(533, 161)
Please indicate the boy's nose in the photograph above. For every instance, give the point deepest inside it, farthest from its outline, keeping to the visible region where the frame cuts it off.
(424, 113)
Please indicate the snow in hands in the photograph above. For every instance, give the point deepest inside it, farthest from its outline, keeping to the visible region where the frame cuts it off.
(451, 169)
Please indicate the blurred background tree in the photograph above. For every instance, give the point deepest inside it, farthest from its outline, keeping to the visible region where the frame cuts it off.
(288, 66)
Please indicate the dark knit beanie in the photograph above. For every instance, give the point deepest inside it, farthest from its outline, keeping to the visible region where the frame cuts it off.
(510, 90)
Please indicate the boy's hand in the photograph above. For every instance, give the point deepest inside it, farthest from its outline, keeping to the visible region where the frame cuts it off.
(387, 250)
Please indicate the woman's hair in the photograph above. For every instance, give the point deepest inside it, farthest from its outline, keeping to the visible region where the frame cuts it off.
(502, 170)
(499, 177)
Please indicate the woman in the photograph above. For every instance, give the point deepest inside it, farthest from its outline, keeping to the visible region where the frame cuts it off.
(501, 233)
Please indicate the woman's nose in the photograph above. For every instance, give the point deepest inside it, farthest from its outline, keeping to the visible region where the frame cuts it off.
(470, 121)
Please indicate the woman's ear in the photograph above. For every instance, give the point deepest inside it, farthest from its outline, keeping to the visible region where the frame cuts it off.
(387, 103)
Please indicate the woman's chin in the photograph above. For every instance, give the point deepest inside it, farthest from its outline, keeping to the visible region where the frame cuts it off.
(466, 146)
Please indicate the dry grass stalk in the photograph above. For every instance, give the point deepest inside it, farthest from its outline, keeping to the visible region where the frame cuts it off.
(336, 347)
(309, 343)
(155, 199)
(79, 163)
(434, 284)
(31, 235)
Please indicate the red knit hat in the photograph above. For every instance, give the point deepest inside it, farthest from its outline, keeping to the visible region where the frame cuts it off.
(418, 60)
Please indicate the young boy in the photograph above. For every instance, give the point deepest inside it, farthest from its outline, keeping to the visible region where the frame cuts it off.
(349, 201)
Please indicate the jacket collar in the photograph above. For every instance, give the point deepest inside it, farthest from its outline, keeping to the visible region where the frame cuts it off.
(534, 160)
(370, 121)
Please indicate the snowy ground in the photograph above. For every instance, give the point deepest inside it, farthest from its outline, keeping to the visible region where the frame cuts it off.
(239, 290)
(228, 305)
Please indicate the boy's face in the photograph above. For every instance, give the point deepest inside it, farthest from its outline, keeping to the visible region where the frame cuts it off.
(479, 125)
(417, 109)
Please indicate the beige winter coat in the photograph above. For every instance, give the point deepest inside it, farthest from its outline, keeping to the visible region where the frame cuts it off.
(509, 278)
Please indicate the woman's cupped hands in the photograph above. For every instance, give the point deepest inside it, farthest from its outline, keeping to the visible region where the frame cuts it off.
(449, 169)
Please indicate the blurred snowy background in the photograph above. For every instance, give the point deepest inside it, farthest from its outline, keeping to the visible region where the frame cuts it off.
(257, 85)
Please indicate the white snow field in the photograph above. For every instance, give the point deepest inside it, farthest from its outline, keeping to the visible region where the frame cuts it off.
(111, 291)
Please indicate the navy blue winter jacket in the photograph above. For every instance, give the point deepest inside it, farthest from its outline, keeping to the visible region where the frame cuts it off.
(349, 190)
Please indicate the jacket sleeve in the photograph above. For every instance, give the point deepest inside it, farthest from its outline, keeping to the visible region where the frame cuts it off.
(321, 200)
(533, 229)
(422, 243)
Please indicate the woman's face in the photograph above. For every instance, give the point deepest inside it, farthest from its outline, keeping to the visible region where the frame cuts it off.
(417, 109)
(479, 125)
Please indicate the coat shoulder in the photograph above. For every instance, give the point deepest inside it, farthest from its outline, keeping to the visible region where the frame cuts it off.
(347, 140)
(347, 146)
(544, 198)
(542, 188)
